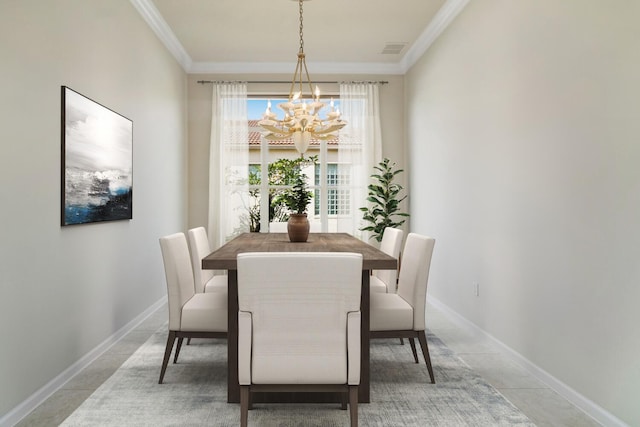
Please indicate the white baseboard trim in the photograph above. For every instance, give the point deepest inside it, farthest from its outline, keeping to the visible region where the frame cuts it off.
(23, 409)
(589, 407)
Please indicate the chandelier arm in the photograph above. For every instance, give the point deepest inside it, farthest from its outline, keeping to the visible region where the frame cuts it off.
(304, 63)
(293, 81)
(301, 62)
(274, 129)
(330, 129)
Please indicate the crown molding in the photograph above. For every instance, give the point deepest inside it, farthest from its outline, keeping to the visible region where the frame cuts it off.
(438, 24)
(441, 20)
(240, 67)
(154, 19)
(288, 67)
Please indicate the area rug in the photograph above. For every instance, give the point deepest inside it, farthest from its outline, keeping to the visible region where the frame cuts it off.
(194, 393)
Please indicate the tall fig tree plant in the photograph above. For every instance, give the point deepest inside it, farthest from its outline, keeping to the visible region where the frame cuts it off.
(384, 201)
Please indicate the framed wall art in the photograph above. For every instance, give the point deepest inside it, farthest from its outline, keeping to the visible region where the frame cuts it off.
(97, 162)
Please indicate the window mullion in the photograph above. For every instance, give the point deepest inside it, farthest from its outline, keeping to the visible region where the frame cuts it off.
(324, 201)
(264, 185)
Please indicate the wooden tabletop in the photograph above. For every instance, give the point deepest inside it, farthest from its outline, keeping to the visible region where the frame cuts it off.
(225, 257)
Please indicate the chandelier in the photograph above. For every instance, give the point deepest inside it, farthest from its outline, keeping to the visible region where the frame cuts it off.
(301, 120)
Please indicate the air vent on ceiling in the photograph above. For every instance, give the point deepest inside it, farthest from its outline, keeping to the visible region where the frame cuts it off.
(393, 48)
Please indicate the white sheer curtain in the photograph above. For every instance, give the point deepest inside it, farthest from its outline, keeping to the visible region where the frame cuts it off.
(228, 163)
(359, 150)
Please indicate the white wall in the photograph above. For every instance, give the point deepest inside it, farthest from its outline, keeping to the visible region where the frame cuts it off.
(523, 138)
(391, 117)
(64, 290)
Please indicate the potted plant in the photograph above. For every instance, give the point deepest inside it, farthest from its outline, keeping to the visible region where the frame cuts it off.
(384, 196)
(281, 173)
(296, 200)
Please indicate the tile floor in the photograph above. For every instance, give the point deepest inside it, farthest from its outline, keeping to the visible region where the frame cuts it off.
(541, 404)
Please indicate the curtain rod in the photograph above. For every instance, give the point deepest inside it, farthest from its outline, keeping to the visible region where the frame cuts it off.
(382, 82)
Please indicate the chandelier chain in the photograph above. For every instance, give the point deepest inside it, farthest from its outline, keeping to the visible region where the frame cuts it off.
(302, 121)
(301, 38)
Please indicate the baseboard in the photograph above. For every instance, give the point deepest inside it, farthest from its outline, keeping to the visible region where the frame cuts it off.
(37, 398)
(589, 407)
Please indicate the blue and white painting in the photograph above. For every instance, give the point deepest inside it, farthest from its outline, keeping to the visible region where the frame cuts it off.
(97, 163)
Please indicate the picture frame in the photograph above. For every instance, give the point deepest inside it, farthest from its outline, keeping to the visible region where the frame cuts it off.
(97, 162)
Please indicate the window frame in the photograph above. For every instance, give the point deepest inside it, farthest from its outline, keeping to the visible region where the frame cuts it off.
(318, 189)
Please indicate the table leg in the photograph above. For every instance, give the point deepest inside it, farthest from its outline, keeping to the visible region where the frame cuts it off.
(363, 390)
(233, 386)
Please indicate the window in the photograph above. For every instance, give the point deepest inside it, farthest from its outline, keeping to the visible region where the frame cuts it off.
(269, 162)
(338, 197)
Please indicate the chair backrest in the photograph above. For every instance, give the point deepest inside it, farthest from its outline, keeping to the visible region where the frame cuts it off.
(414, 275)
(179, 275)
(299, 303)
(390, 245)
(200, 248)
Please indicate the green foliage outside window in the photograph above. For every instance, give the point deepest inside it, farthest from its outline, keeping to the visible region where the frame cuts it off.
(282, 172)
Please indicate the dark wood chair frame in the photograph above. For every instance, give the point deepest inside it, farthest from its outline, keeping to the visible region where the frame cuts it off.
(346, 390)
(412, 335)
(181, 335)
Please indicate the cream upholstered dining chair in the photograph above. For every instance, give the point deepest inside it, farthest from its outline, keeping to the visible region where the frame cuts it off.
(191, 314)
(402, 314)
(299, 324)
(205, 280)
(385, 280)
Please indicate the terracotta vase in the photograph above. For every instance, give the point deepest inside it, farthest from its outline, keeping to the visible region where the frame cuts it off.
(298, 228)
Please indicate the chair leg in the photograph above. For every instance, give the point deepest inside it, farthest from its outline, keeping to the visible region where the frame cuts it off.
(413, 349)
(402, 341)
(175, 357)
(425, 352)
(353, 405)
(244, 405)
(188, 341)
(167, 352)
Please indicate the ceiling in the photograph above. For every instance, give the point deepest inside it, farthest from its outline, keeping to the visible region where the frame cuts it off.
(262, 36)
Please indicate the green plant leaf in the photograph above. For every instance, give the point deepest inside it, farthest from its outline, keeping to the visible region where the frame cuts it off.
(384, 199)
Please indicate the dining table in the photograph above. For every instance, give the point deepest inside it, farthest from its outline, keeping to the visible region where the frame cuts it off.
(225, 258)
